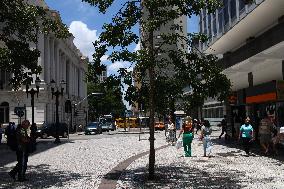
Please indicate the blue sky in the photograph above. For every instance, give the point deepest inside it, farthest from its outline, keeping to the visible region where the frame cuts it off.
(85, 23)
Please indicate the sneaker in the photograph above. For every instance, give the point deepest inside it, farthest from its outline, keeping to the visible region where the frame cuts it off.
(12, 175)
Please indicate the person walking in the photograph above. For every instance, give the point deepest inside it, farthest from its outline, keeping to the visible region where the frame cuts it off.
(171, 128)
(187, 132)
(246, 135)
(21, 152)
(206, 138)
(265, 128)
(224, 127)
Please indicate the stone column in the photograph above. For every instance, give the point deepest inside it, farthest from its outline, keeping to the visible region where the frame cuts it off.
(41, 44)
(51, 55)
(46, 59)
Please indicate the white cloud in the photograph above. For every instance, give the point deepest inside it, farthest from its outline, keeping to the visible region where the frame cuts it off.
(137, 46)
(84, 37)
(112, 68)
(104, 58)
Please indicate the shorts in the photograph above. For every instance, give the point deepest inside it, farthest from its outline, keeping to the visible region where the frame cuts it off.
(264, 138)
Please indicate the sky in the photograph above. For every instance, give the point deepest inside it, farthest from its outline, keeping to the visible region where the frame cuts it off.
(85, 23)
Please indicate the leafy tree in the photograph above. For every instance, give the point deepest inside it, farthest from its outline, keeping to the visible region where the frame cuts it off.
(20, 24)
(110, 102)
(161, 79)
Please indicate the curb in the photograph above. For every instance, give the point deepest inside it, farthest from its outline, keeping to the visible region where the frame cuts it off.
(109, 183)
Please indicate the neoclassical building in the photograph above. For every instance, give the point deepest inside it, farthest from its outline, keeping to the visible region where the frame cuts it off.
(60, 60)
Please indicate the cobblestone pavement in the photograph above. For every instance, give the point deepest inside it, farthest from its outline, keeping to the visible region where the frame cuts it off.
(79, 164)
(228, 168)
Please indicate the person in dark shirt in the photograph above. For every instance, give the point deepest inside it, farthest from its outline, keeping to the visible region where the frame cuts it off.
(22, 152)
(224, 127)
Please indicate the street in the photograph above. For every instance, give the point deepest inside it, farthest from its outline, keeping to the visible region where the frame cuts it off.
(86, 160)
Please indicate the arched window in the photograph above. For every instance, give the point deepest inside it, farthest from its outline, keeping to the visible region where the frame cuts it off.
(4, 112)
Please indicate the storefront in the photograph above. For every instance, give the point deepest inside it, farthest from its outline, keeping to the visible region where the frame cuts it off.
(255, 102)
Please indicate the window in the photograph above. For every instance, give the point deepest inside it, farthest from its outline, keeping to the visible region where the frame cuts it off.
(226, 12)
(241, 6)
(214, 25)
(209, 26)
(220, 20)
(4, 79)
(233, 9)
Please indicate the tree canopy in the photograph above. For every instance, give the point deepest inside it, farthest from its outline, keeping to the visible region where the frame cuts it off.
(20, 24)
(158, 80)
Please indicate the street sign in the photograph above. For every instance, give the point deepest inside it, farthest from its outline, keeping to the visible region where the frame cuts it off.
(19, 111)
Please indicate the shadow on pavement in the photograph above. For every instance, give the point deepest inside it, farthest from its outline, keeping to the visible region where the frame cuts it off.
(255, 149)
(39, 177)
(182, 177)
(8, 156)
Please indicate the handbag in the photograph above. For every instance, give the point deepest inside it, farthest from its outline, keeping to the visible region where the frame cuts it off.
(179, 143)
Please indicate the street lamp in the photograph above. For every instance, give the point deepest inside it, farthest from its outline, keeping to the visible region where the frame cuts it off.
(57, 93)
(32, 92)
(76, 104)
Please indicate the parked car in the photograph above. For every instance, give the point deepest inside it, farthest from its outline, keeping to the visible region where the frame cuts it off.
(105, 126)
(50, 130)
(159, 126)
(93, 128)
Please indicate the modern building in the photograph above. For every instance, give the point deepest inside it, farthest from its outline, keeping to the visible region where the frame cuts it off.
(165, 49)
(248, 39)
(60, 60)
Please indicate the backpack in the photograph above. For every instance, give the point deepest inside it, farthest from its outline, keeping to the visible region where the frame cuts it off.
(11, 138)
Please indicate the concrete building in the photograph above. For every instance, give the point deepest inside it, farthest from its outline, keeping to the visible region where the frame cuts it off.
(248, 39)
(167, 71)
(60, 60)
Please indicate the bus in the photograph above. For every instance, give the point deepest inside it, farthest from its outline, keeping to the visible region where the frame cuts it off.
(131, 122)
(107, 122)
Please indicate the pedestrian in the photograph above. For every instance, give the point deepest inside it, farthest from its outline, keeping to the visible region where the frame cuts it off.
(21, 152)
(10, 132)
(206, 138)
(265, 128)
(171, 128)
(275, 138)
(187, 136)
(224, 127)
(1, 132)
(246, 135)
(196, 125)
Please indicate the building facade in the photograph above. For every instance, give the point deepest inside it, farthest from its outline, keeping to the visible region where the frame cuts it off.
(166, 29)
(249, 43)
(60, 60)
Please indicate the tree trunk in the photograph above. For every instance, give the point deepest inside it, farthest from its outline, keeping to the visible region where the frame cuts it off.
(151, 103)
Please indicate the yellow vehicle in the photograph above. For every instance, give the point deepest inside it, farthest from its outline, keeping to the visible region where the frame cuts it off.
(131, 122)
(119, 123)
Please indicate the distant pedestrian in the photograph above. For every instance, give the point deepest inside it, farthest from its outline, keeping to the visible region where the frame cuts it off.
(172, 134)
(206, 138)
(10, 133)
(1, 132)
(22, 152)
(224, 127)
(265, 128)
(187, 131)
(196, 125)
(246, 135)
